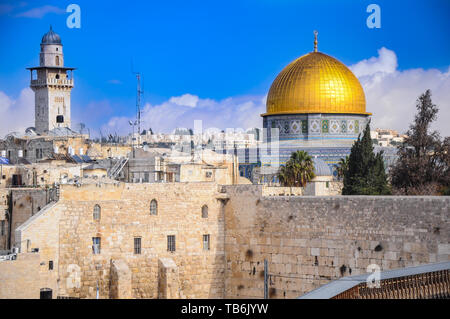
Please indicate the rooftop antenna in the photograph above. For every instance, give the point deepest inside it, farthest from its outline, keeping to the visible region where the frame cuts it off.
(101, 137)
(139, 92)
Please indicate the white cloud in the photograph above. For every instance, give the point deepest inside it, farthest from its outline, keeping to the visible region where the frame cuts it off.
(16, 114)
(385, 63)
(181, 111)
(391, 94)
(185, 99)
(40, 12)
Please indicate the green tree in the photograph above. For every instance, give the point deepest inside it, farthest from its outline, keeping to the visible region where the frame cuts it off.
(365, 174)
(342, 167)
(298, 171)
(423, 161)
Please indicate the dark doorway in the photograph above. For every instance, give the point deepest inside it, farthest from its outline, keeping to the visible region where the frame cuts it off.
(17, 180)
(46, 293)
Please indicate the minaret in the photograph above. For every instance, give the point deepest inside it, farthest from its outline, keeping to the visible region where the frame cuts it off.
(51, 83)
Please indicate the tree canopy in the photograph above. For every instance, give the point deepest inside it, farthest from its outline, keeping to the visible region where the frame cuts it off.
(365, 173)
(298, 171)
(423, 161)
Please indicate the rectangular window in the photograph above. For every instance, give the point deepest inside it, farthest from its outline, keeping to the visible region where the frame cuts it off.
(96, 245)
(39, 153)
(50, 265)
(171, 243)
(2, 230)
(206, 242)
(327, 184)
(137, 245)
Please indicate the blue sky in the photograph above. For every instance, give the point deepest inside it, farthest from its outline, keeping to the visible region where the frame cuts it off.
(213, 50)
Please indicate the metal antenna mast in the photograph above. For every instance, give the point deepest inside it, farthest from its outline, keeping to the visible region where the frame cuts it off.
(138, 102)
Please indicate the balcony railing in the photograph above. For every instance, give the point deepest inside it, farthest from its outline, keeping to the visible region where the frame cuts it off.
(52, 81)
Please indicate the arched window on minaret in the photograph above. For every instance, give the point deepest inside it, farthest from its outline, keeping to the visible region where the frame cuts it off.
(57, 60)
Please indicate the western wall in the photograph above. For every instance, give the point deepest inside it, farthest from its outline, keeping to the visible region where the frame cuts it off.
(311, 240)
(307, 240)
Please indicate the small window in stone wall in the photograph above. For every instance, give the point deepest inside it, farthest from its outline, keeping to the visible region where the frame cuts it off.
(97, 212)
(50, 265)
(96, 245)
(137, 245)
(206, 242)
(205, 211)
(153, 207)
(171, 243)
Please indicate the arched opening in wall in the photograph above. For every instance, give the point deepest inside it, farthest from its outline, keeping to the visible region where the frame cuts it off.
(57, 60)
(57, 76)
(46, 293)
(153, 207)
(205, 211)
(97, 212)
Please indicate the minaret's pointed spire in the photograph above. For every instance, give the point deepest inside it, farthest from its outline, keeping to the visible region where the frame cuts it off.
(315, 40)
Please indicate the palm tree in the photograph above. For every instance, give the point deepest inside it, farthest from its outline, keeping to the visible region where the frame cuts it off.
(342, 167)
(298, 171)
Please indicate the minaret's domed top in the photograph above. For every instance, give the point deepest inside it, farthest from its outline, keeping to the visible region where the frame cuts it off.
(51, 37)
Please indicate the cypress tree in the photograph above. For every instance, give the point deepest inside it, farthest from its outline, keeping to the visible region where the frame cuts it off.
(365, 174)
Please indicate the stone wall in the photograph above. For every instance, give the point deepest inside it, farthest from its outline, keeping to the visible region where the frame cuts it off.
(42, 234)
(25, 202)
(309, 241)
(125, 215)
(4, 218)
(19, 278)
(169, 282)
(17, 205)
(120, 280)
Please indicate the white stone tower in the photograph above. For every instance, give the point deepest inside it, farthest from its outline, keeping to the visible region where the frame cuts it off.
(51, 83)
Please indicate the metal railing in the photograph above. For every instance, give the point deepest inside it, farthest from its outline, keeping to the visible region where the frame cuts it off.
(431, 285)
(52, 81)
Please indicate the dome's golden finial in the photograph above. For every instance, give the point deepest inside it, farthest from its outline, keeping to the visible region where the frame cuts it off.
(315, 40)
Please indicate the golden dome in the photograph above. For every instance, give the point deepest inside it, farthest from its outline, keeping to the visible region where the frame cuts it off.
(316, 83)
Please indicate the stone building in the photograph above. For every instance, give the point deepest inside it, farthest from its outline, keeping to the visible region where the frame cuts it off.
(32, 148)
(17, 206)
(133, 225)
(151, 165)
